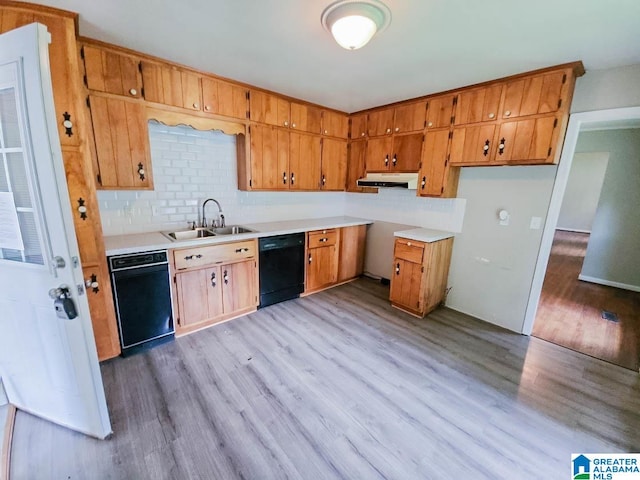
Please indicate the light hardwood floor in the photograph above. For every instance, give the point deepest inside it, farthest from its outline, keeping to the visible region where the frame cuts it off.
(341, 385)
(569, 313)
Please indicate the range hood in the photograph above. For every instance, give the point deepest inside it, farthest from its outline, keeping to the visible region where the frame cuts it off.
(387, 180)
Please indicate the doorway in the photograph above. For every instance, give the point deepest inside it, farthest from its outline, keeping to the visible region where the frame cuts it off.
(585, 294)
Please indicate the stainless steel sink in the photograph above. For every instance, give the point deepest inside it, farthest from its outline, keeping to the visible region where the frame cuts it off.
(189, 234)
(231, 230)
(205, 232)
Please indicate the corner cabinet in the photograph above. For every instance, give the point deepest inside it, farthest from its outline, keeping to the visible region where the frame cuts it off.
(213, 283)
(420, 272)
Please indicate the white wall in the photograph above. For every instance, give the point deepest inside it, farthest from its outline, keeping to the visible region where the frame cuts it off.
(582, 192)
(3, 394)
(492, 265)
(613, 252)
(604, 89)
(190, 166)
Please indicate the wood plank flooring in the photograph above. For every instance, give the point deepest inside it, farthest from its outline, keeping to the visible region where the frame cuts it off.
(339, 385)
(569, 312)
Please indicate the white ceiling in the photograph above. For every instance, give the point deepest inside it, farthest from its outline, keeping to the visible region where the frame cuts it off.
(430, 46)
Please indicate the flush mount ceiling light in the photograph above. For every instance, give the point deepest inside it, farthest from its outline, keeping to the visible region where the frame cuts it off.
(354, 23)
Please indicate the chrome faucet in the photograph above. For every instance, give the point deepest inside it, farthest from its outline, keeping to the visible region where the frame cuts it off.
(220, 214)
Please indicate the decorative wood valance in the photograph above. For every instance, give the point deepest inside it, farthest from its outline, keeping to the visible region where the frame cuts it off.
(173, 118)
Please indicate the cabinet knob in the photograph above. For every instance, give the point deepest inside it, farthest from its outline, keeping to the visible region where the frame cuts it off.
(397, 269)
(213, 279)
(507, 113)
(386, 160)
(397, 129)
(133, 92)
(394, 160)
(196, 106)
(324, 180)
(492, 115)
(82, 208)
(225, 277)
(286, 123)
(323, 240)
(207, 108)
(409, 244)
(242, 250)
(362, 134)
(388, 130)
(141, 171)
(310, 259)
(284, 178)
(293, 125)
(293, 178)
(485, 148)
(423, 183)
(92, 283)
(430, 124)
(501, 146)
(326, 132)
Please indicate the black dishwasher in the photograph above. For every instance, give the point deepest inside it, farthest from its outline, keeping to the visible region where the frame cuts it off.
(142, 294)
(281, 268)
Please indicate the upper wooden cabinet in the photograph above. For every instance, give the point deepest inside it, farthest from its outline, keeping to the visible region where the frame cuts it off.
(305, 160)
(404, 118)
(478, 105)
(335, 124)
(440, 111)
(400, 153)
(112, 72)
(356, 152)
(171, 86)
(122, 143)
(269, 109)
(305, 118)
(269, 151)
(224, 98)
(436, 178)
(334, 164)
(534, 94)
(358, 126)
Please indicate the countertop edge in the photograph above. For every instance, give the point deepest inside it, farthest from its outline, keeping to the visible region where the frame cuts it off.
(424, 234)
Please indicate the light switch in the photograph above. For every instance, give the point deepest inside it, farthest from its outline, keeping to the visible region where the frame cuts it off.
(536, 223)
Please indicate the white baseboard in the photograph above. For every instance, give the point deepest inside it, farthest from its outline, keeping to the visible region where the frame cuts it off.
(576, 230)
(609, 283)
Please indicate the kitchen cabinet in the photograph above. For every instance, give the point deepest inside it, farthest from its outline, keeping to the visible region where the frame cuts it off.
(269, 151)
(440, 111)
(270, 109)
(112, 72)
(335, 124)
(322, 259)
(214, 283)
(351, 252)
(409, 117)
(478, 105)
(535, 94)
(380, 122)
(356, 151)
(420, 272)
(224, 98)
(305, 118)
(397, 153)
(122, 143)
(473, 145)
(530, 140)
(304, 161)
(435, 177)
(169, 85)
(358, 126)
(334, 164)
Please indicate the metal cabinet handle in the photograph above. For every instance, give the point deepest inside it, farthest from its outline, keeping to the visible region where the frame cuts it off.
(395, 159)
(284, 178)
(485, 149)
(92, 283)
(240, 250)
(293, 178)
(310, 258)
(324, 180)
(386, 160)
(225, 277)
(324, 239)
(82, 208)
(213, 279)
(397, 269)
(423, 183)
(501, 146)
(191, 257)
(141, 171)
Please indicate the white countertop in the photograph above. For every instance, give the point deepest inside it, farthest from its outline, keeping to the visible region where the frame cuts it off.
(424, 234)
(145, 242)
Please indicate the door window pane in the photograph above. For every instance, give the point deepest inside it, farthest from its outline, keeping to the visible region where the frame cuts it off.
(19, 181)
(9, 118)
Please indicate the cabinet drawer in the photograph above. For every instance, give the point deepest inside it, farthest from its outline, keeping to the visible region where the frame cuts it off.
(322, 238)
(213, 254)
(409, 250)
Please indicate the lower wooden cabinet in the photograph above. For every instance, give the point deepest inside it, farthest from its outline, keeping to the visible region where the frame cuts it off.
(351, 252)
(205, 294)
(420, 272)
(322, 259)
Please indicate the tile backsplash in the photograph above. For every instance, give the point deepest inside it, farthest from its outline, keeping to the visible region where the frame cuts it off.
(190, 166)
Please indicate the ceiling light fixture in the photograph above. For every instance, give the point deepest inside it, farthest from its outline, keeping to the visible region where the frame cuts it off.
(354, 23)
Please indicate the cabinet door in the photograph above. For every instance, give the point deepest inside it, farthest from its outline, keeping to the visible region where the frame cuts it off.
(472, 145)
(191, 91)
(263, 107)
(111, 72)
(304, 161)
(378, 157)
(192, 293)
(526, 141)
(380, 122)
(533, 95)
(407, 152)
(358, 127)
(162, 84)
(213, 282)
(335, 124)
(351, 256)
(322, 267)
(122, 142)
(355, 164)
(433, 173)
(100, 298)
(334, 164)
(238, 286)
(406, 284)
(269, 158)
(478, 105)
(305, 118)
(410, 118)
(440, 111)
(232, 100)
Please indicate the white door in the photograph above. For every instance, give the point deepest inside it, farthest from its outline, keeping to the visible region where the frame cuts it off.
(49, 365)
